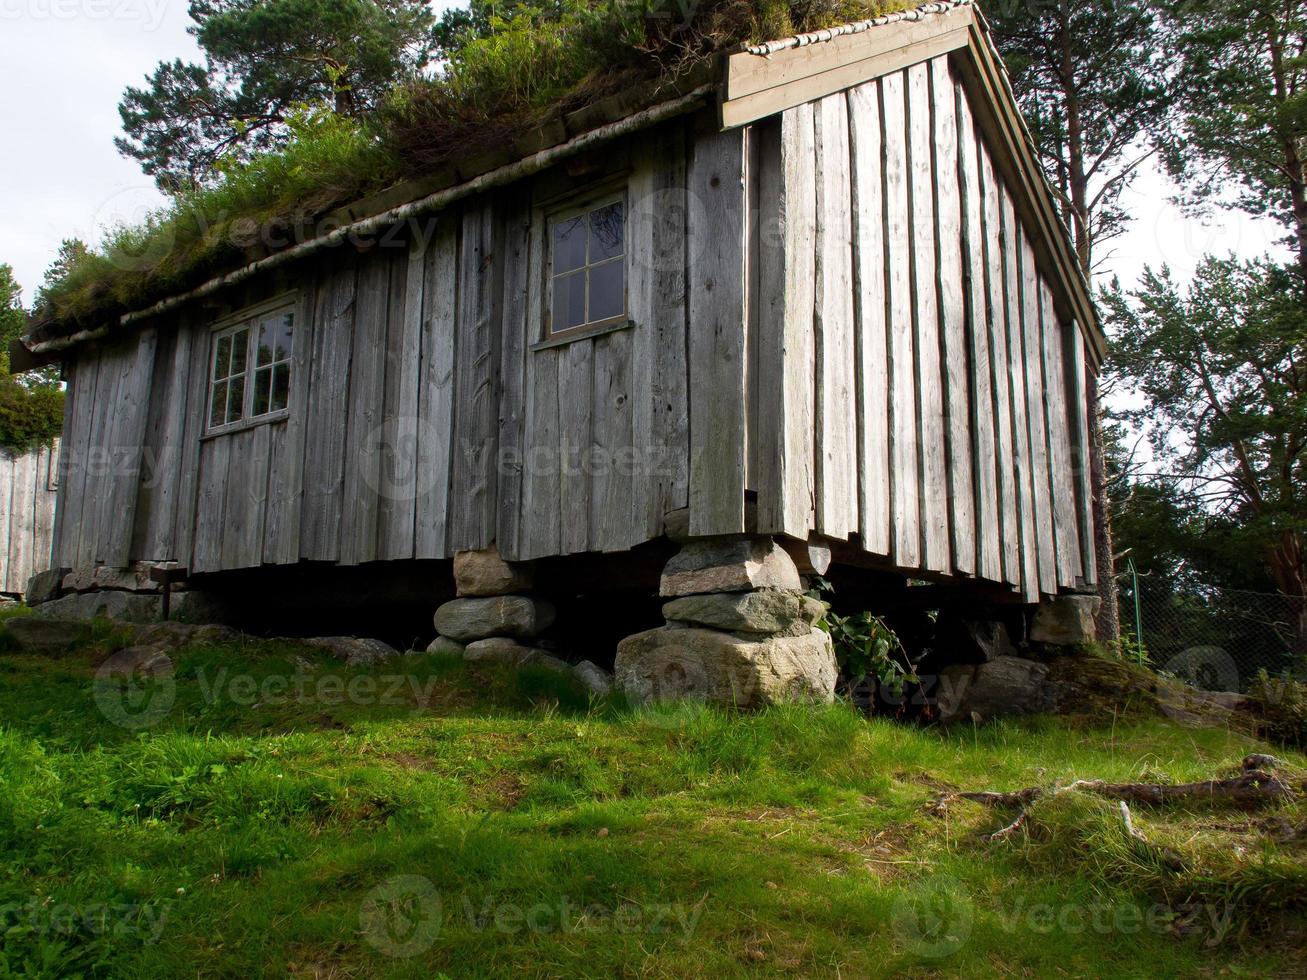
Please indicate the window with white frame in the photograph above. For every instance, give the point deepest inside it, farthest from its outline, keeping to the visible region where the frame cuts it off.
(249, 377)
(587, 266)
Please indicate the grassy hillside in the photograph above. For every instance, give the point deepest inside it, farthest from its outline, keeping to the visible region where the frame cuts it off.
(285, 815)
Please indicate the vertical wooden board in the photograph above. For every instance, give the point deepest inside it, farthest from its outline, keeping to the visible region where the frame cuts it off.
(575, 391)
(131, 414)
(1059, 443)
(397, 470)
(754, 466)
(1036, 419)
(786, 344)
(329, 383)
(1029, 548)
(987, 523)
(43, 540)
(81, 512)
(68, 449)
(517, 275)
(926, 330)
(872, 358)
(197, 408)
(996, 322)
(542, 485)
(837, 488)
(1078, 395)
(245, 506)
(161, 474)
(660, 412)
(476, 407)
(210, 506)
(22, 500)
(717, 235)
(6, 520)
(671, 317)
(956, 353)
(905, 465)
(99, 462)
(275, 529)
(436, 389)
(367, 379)
(610, 515)
(286, 483)
(90, 367)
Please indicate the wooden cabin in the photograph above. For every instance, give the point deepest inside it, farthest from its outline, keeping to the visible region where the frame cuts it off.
(825, 296)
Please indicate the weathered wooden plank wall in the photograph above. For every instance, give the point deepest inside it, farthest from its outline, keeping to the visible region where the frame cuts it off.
(421, 421)
(27, 505)
(967, 394)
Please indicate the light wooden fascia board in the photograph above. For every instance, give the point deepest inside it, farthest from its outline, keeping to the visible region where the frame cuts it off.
(999, 117)
(758, 100)
(750, 74)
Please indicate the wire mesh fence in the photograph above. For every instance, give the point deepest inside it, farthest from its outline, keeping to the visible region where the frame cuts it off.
(1214, 639)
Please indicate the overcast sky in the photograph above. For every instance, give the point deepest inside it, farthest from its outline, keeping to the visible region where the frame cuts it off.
(65, 63)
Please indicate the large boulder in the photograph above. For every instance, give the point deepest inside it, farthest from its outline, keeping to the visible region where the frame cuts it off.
(736, 564)
(1066, 620)
(767, 611)
(44, 586)
(128, 607)
(39, 635)
(517, 616)
(484, 573)
(1002, 686)
(747, 672)
(444, 645)
(595, 678)
(173, 635)
(508, 652)
(354, 650)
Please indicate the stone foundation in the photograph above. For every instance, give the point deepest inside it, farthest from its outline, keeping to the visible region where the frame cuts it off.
(739, 631)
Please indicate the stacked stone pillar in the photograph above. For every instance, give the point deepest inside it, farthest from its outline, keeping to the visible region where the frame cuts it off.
(494, 617)
(740, 631)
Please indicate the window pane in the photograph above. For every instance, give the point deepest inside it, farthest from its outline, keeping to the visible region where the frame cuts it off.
(262, 391)
(607, 233)
(218, 404)
(263, 355)
(274, 339)
(569, 301)
(240, 341)
(222, 358)
(281, 347)
(280, 387)
(569, 244)
(607, 290)
(236, 399)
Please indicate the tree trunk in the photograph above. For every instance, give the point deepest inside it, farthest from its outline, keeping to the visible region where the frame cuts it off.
(1108, 623)
(1289, 571)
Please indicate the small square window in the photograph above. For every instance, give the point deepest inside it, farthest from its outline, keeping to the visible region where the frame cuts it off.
(587, 266)
(251, 380)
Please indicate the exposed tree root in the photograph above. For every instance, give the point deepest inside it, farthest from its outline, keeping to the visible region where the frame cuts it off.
(1134, 833)
(1254, 787)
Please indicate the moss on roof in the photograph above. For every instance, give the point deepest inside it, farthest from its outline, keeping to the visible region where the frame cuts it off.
(517, 80)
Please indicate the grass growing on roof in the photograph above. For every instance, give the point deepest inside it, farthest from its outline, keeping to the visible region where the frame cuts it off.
(495, 88)
(248, 833)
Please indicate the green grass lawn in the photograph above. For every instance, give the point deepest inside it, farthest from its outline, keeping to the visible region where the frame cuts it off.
(281, 814)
